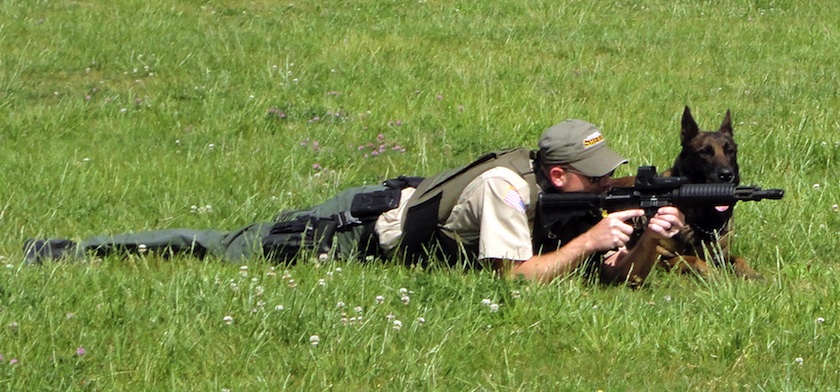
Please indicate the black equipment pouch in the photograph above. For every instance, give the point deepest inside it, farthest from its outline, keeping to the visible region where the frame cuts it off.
(369, 205)
(305, 233)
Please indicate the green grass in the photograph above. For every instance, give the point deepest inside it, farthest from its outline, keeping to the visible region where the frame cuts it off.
(108, 111)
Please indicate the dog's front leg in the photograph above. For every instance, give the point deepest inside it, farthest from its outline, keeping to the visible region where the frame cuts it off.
(742, 269)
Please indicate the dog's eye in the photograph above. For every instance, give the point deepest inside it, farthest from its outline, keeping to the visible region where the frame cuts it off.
(728, 149)
(708, 150)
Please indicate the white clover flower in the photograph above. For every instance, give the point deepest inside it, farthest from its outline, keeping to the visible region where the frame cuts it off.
(340, 305)
(403, 291)
(820, 320)
(314, 340)
(279, 308)
(421, 320)
(397, 324)
(390, 317)
(494, 308)
(322, 282)
(816, 186)
(835, 208)
(142, 248)
(515, 294)
(358, 309)
(799, 361)
(486, 302)
(228, 320)
(405, 299)
(258, 291)
(379, 299)
(667, 298)
(292, 283)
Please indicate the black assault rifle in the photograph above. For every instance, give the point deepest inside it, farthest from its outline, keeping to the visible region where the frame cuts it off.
(649, 193)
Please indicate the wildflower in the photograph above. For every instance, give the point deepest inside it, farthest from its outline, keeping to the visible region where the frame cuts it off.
(258, 291)
(142, 248)
(799, 361)
(340, 305)
(211, 146)
(515, 294)
(421, 320)
(13, 361)
(70, 315)
(314, 340)
(80, 351)
(397, 324)
(279, 308)
(322, 282)
(358, 309)
(820, 320)
(403, 291)
(494, 308)
(816, 186)
(14, 325)
(835, 208)
(379, 299)
(292, 283)
(486, 302)
(405, 299)
(667, 298)
(228, 320)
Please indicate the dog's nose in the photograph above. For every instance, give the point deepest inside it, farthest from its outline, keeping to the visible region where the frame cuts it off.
(725, 175)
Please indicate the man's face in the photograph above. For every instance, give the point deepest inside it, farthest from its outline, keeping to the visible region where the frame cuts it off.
(569, 180)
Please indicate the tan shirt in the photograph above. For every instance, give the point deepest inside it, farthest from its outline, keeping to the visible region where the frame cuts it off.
(493, 210)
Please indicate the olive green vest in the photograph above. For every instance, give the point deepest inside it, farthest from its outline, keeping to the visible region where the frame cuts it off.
(435, 197)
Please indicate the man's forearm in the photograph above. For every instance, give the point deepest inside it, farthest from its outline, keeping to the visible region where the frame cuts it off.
(551, 265)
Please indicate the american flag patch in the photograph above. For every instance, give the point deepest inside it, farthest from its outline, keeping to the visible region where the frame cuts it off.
(513, 199)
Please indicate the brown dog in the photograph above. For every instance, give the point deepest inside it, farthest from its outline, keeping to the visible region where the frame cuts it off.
(706, 157)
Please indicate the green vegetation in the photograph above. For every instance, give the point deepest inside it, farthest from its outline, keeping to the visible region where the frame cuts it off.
(133, 115)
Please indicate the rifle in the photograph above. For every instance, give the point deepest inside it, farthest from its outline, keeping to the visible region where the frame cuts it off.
(649, 193)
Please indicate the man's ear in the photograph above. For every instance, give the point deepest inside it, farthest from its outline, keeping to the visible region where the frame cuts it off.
(557, 176)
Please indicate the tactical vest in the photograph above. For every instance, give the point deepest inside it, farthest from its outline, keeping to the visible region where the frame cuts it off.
(432, 203)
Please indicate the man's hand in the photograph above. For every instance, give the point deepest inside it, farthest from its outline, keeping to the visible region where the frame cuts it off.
(611, 232)
(667, 222)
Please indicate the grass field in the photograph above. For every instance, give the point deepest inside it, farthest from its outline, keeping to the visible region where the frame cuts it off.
(127, 115)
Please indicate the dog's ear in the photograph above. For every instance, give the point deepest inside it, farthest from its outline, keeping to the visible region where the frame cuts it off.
(726, 126)
(689, 127)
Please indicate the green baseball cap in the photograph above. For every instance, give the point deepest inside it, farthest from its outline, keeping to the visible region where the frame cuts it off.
(580, 145)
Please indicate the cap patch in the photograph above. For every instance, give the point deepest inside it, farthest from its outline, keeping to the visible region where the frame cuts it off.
(593, 139)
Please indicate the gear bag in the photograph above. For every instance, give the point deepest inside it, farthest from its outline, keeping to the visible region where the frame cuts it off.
(341, 226)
